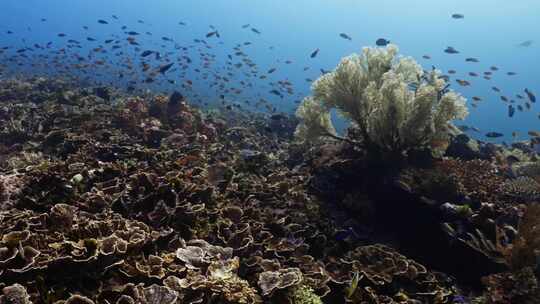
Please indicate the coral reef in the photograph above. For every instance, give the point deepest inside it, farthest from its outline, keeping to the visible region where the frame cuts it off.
(113, 198)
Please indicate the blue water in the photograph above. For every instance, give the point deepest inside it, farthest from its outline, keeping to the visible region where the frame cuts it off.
(490, 31)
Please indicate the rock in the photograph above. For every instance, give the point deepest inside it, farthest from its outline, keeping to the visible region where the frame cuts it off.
(176, 98)
(103, 93)
(464, 147)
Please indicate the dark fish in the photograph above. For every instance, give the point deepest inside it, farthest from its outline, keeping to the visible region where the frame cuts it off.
(476, 98)
(181, 23)
(61, 35)
(473, 74)
(132, 33)
(146, 53)
(471, 59)
(487, 73)
(426, 57)
(511, 111)
(164, 68)
(511, 73)
(493, 68)
(115, 17)
(495, 89)
(256, 31)
(451, 50)
(345, 36)
(382, 42)
(451, 71)
(272, 70)
(109, 41)
(323, 71)
(245, 26)
(314, 54)
(276, 92)
(504, 98)
(214, 33)
(494, 134)
(458, 16)
(519, 96)
(520, 108)
(90, 39)
(531, 96)
(167, 39)
(100, 21)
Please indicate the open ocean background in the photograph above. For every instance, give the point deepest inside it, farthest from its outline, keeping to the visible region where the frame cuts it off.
(491, 31)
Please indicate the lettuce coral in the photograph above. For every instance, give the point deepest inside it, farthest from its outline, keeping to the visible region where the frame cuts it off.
(396, 106)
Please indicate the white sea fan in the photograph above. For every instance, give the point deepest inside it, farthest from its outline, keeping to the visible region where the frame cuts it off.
(395, 104)
(315, 120)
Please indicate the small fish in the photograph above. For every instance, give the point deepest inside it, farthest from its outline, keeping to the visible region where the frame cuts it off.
(90, 39)
(534, 133)
(530, 95)
(458, 16)
(245, 26)
(471, 59)
(476, 98)
(109, 41)
(495, 89)
(493, 68)
(214, 33)
(511, 111)
(115, 17)
(526, 43)
(451, 71)
(61, 35)
(314, 54)
(519, 96)
(256, 31)
(520, 108)
(494, 134)
(146, 53)
(426, 57)
(451, 50)
(101, 21)
(181, 23)
(473, 74)
(382, 42)
(132, 33)
(511, 73)
(487, 73)
(463, 83)
(504, 98)
(272, 70)
(164, 68)
(276, 92)
(345, 36)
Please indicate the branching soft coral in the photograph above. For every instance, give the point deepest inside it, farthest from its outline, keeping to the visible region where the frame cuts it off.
(396, 106)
